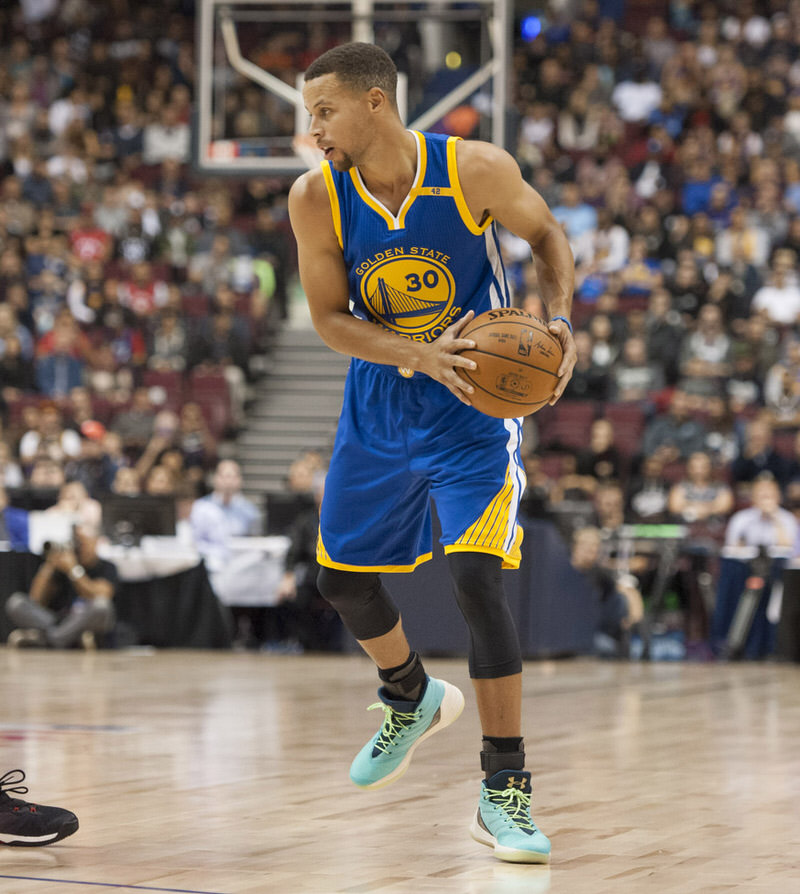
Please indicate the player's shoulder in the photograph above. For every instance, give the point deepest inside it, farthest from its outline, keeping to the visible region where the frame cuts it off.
(309, 203)
(486, 172)
(481, 157)
(308, 188)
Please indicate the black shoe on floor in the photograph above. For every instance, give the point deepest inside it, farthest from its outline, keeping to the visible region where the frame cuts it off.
(23, 824)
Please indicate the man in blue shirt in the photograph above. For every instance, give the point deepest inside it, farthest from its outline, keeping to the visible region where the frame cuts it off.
(13, 524)
(223, 514)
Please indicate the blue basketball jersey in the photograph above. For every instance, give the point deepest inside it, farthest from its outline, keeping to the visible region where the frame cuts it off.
(417, 272)
(403, 438)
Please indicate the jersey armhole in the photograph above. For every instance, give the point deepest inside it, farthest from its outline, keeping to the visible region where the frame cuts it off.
(333, 196)
(458, 194)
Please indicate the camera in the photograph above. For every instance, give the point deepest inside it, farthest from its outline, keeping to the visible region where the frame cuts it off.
(53, 546)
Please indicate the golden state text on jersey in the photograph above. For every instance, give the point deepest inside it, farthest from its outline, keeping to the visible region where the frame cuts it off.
(418, 271)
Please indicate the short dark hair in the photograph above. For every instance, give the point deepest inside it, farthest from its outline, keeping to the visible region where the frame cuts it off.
(359, 66)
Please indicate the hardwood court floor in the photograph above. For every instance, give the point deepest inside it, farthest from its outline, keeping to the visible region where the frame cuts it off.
(227, 773)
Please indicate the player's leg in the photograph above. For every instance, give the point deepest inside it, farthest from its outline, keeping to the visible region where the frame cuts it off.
(478, 485)
(503, 820)
(375, 517)
(415, 706)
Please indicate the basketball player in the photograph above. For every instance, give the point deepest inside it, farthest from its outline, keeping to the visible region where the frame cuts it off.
(397, 252)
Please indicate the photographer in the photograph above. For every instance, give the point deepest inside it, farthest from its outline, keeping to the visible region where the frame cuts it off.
(71, 596)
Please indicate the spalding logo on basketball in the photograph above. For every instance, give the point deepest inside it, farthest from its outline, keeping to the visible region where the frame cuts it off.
(518, 360)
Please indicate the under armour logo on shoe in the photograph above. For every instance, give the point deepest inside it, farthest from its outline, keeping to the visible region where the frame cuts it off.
(513, 782)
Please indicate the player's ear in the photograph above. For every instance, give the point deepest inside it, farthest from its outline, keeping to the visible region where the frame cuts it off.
(377, 99)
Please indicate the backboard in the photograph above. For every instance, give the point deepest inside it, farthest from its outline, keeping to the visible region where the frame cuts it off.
(251, 54)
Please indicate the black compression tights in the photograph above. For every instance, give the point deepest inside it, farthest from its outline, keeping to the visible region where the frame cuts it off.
(367, 610)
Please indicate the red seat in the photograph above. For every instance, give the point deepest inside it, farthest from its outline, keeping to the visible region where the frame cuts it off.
(552, 465)
(172, 383)
(569, 424)
(16, 406)
(674, 472)
(210, 391)
(628, 420)
(633, 302)
(196, 305)
(783, 442)
(216, 412)
(204, 381)
(104, 409)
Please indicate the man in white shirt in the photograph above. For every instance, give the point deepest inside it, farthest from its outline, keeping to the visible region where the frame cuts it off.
(637, 97)
(167, 138)
(779, 299)
(764, 523)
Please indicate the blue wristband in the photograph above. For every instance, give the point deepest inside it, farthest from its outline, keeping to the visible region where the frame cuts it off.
(565, 320)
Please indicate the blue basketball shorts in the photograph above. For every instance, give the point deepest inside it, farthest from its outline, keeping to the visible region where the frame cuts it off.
(400, 442)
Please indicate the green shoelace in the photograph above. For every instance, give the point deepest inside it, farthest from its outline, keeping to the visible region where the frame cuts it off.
(516, 805)
(395, 723)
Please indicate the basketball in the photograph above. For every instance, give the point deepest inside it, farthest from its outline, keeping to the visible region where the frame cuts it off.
(517, 358)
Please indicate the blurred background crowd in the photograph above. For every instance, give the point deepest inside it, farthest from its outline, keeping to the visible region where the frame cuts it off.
(138, 298)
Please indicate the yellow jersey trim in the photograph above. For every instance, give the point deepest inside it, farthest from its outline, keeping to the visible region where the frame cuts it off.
(461, 202)
(416, 186)
(324, 559)
(336, 211)
(367, 198)
(398, 222)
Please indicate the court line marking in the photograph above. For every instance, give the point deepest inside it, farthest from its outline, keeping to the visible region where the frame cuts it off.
(66, 881)
(65, 727)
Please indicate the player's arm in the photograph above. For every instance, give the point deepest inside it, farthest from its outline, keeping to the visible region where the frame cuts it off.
(324, 279)
(493, 185)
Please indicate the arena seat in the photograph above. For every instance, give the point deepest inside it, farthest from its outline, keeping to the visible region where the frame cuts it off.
(628, 420)
(567, 424)
(171, 381)
(210, 391)
(783, 441)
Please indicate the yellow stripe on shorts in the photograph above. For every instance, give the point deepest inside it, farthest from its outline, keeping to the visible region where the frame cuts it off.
(492, 532)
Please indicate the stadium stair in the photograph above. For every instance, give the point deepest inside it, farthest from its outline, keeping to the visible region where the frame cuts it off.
(295, 408)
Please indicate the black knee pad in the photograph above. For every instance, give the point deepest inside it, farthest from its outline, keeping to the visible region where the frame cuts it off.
(494, 644)
(361, 600)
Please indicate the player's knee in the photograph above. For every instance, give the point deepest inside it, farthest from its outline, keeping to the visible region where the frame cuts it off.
(340, 587)
(479, 584)
(364, 606)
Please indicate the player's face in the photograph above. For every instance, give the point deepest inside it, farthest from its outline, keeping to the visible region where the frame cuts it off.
(338, 120)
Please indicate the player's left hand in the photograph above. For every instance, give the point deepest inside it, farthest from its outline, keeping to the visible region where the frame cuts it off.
(561, 331)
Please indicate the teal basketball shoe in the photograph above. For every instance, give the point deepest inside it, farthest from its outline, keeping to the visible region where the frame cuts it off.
(405, 724)
(504, 821)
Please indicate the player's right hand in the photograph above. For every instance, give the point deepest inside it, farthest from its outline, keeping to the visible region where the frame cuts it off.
(443, 356)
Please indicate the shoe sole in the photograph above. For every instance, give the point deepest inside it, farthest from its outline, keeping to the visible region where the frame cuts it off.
(449, 711)
(43, 840)
(506, 854)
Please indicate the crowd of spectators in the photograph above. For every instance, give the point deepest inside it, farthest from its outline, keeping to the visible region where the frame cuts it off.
(665, 139)
(134, 295)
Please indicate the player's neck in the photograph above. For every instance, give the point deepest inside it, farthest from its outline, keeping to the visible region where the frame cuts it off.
(390, 167)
